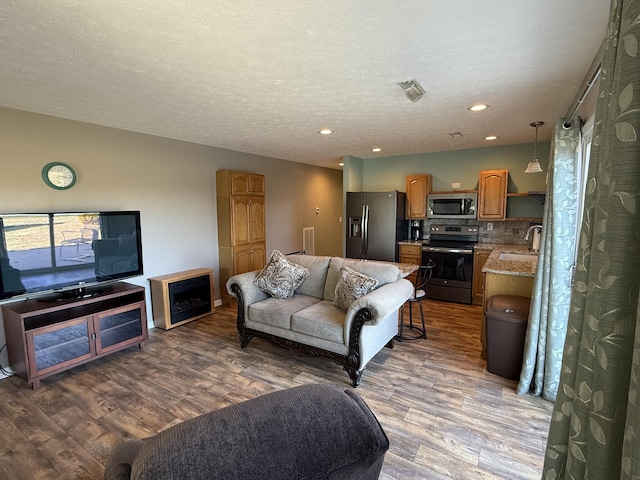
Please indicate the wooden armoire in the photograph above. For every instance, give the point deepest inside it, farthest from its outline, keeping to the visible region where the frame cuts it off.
(241, 224)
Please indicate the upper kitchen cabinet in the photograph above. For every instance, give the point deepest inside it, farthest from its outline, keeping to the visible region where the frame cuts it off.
(492, 194)
(418, 187)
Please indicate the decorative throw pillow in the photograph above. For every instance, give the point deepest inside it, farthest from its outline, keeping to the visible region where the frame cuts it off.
(280, 277)
(351, 286)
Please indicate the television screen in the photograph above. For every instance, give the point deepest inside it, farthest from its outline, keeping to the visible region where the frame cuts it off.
(45, 252)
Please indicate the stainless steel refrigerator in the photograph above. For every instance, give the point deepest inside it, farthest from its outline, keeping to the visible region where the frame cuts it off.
(375, 224)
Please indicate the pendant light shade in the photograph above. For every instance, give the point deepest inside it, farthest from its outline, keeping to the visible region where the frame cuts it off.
(534, 165)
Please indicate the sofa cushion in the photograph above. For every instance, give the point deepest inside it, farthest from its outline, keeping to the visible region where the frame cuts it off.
(318, 266)
(278, 311)
(381, 271)
(321, 320)
(280, 277)
(351, 286)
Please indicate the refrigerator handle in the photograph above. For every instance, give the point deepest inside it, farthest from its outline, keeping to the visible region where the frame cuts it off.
(365, 228)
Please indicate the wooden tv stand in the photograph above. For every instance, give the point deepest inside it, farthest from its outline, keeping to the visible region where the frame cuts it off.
(48, 337)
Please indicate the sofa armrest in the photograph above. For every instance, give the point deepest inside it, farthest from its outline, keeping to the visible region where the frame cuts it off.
(381, 302)
(248, 292)
(119, 463)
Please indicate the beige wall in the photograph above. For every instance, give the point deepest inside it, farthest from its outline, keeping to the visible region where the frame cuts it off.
(171, 182)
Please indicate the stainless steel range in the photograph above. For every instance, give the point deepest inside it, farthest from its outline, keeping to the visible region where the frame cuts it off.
(450, 247)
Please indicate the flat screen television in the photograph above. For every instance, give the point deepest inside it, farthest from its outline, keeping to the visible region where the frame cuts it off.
(67, 254)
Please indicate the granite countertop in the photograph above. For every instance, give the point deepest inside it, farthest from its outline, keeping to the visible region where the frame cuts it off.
(410, 242)
(508, 267)
(407, 268)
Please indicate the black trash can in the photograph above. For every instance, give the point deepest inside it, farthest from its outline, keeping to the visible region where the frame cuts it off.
(506, 323)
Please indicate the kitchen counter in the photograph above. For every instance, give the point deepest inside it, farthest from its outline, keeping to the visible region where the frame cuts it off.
(508, 267)
(410, 242)
(407, 268)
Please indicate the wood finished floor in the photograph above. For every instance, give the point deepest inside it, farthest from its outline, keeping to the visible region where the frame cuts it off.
(446, 417)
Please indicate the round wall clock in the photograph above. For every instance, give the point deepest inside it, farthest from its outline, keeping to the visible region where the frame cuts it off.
(58, 175)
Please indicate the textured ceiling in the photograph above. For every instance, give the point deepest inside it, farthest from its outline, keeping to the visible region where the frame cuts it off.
(264, 77)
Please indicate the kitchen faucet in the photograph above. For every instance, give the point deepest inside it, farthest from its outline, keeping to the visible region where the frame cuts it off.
(535, 246)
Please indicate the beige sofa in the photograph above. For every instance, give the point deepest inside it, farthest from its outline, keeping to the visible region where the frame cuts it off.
(310, 322)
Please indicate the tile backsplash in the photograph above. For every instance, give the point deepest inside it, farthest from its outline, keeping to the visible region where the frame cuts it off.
(509, 232)
(502, 232)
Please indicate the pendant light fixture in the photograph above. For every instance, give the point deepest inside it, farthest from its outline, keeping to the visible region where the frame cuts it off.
(534, 165)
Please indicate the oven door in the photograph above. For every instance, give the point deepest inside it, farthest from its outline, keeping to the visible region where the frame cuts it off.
(452, 275)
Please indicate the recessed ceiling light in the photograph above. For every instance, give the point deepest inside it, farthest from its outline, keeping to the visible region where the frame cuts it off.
(376, 149)
(341, 164)
(478, 107)
(326, 131)
(491, 137)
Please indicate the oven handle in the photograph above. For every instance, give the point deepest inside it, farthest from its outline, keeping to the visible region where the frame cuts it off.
(447, 250)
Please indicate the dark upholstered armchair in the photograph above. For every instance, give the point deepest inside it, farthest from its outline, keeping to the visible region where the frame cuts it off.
(307, 432)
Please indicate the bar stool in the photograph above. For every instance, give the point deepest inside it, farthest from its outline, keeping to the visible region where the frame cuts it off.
(423, 276)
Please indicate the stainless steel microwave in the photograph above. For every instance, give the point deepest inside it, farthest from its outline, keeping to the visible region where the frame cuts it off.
(452, 205)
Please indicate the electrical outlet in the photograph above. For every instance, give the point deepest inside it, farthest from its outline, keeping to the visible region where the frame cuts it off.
(317, 210)
(489, 226)
(455, 185)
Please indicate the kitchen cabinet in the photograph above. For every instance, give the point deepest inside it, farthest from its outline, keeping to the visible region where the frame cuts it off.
(492, 194)
(479, 258)
(48, 337)
(417, 189)
(241, 224)
(410, 254)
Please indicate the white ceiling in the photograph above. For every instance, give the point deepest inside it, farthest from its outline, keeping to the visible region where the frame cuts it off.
(264, 77)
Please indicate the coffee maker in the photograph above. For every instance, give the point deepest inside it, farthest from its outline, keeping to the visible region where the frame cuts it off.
(416, 230)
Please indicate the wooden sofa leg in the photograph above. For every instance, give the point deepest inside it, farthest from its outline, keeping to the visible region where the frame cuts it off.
(244, 340)
(390, 344)
(354, 375)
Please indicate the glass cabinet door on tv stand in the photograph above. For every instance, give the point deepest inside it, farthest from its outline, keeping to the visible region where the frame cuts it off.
(48, 337)
(116, 326)
(54, 346)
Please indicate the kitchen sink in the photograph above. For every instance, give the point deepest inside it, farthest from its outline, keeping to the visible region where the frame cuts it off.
(518, 257)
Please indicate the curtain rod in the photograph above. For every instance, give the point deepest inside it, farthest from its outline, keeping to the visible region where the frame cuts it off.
(589, 80)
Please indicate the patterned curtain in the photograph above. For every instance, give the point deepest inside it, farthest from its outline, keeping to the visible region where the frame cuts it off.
(595, 425)
(549, 312)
